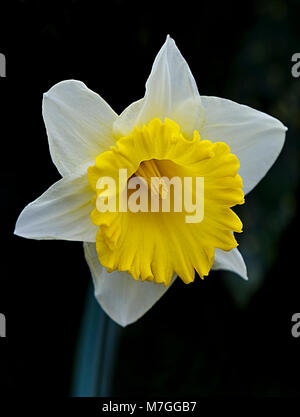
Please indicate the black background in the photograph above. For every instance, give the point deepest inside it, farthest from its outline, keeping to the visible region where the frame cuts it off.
(198, 340)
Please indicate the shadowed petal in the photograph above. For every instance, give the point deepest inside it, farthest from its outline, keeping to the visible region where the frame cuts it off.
(121, 297)
(230, 261)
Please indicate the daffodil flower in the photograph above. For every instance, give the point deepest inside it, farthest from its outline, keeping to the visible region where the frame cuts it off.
(173, 131)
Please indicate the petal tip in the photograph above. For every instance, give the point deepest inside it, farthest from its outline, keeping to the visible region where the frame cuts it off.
(17, 231)
(62, 83)
(170, 41)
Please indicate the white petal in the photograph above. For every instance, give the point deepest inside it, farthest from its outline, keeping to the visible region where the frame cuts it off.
(127, 120)
(121, 297)
(62, 212)
(254, 137)
(171, 91)
(79, 125)
(230, 261)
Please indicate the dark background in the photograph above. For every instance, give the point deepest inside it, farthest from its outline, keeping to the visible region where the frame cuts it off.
(218, 337)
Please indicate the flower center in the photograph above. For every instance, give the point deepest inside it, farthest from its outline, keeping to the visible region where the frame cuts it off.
(150, 172)
(154, 242)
